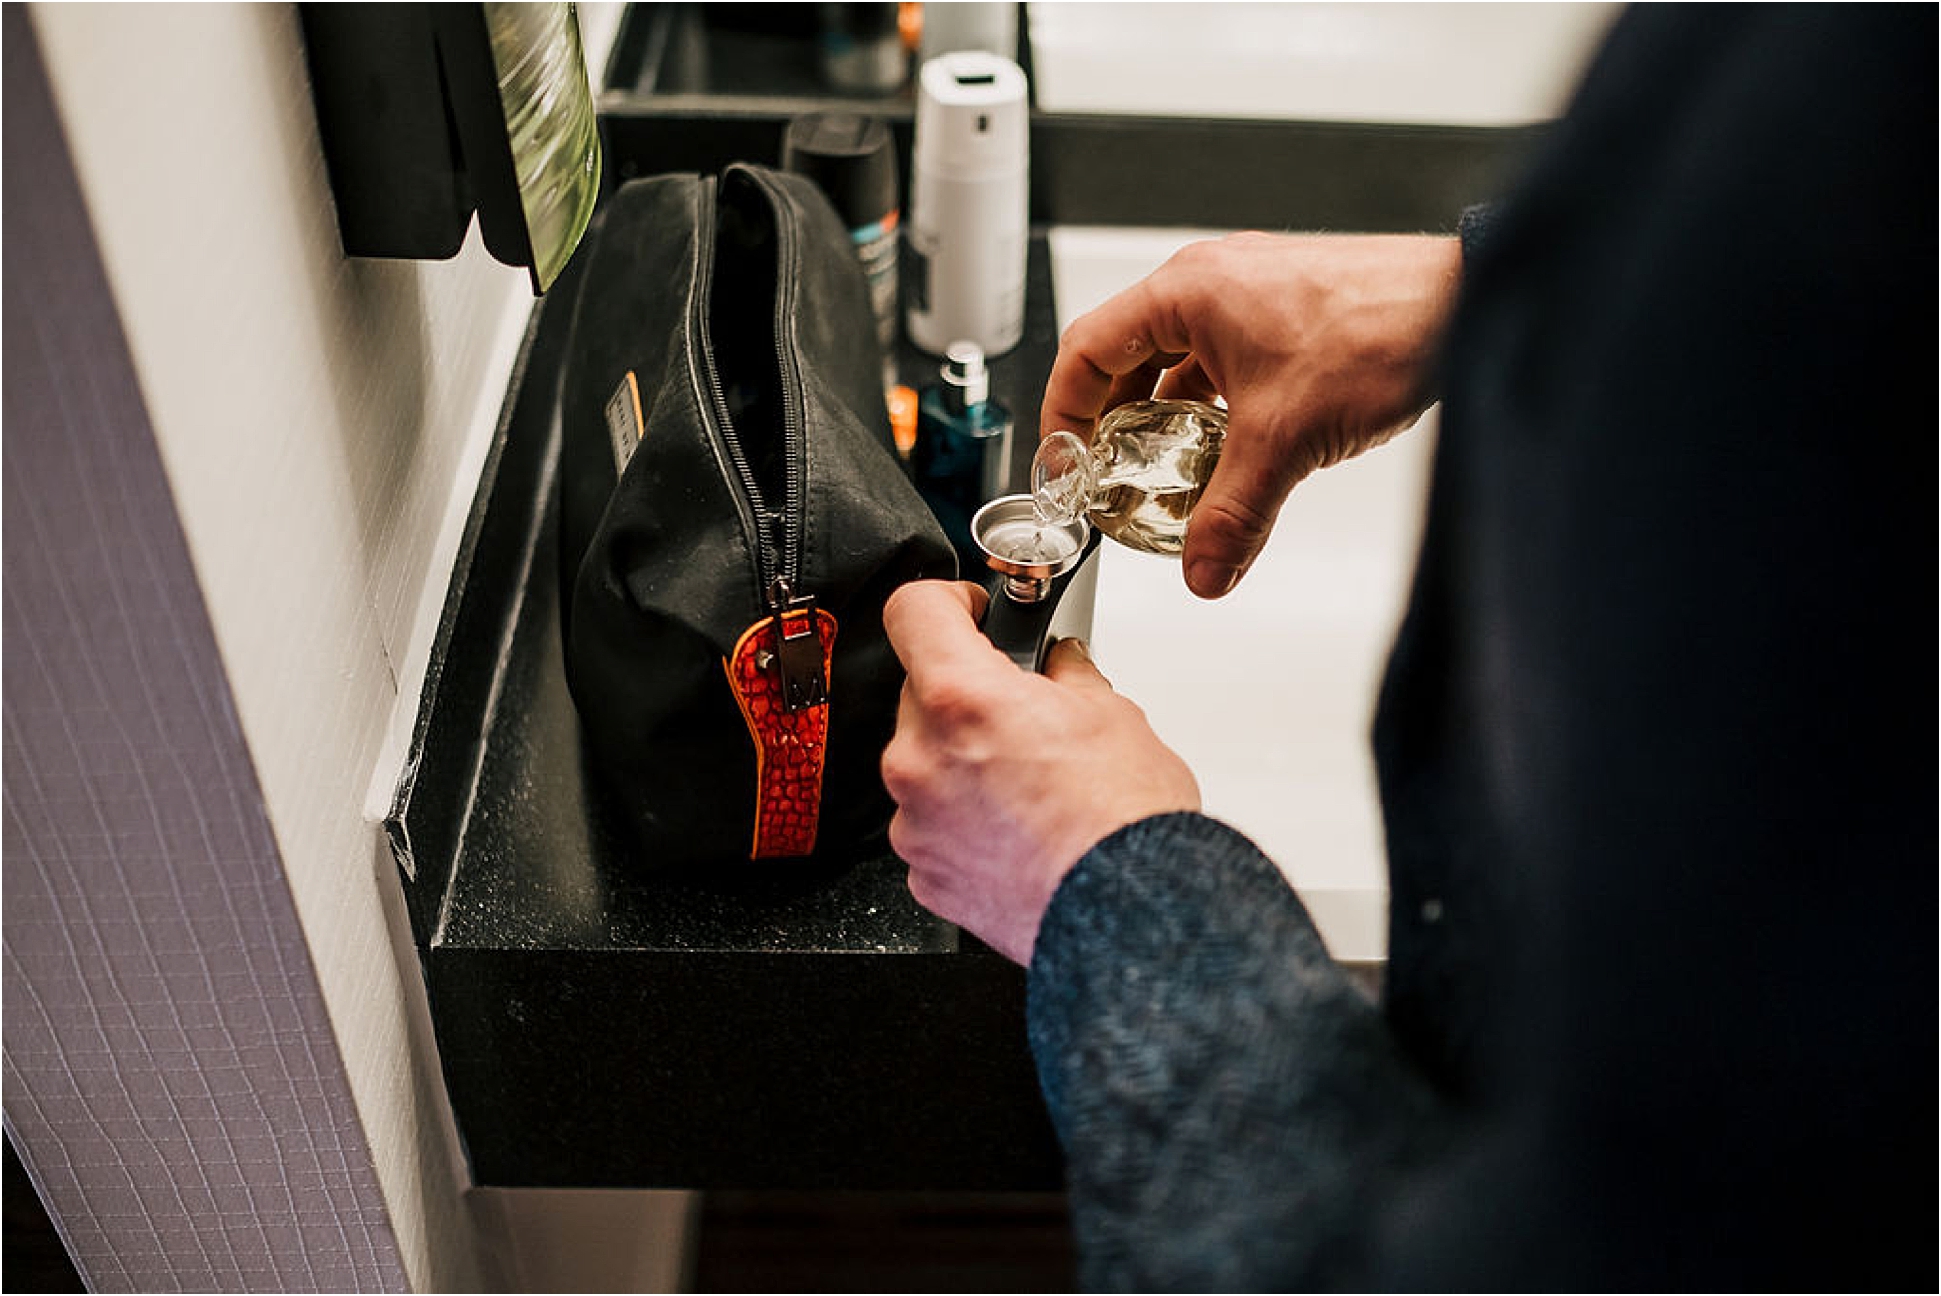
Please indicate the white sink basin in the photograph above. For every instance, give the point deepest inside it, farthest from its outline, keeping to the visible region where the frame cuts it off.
(1454, 64)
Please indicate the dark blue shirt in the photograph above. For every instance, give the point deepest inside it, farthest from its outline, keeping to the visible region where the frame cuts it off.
(1657, 751)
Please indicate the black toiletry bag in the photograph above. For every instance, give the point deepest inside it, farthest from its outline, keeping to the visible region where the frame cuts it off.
(733, 518)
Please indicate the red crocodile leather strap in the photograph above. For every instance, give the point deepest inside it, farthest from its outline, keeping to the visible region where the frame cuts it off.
(789, 745)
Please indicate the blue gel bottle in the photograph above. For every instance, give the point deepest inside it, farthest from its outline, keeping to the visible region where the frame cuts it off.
(962, 457)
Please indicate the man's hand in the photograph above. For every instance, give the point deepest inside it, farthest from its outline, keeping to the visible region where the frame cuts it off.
(1321, 346)
(1003, 778)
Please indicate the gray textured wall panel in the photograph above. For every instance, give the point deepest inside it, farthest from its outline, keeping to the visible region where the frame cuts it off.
(171, 1080)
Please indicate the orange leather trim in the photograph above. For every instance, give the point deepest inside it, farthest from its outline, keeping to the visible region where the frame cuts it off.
(790, 746)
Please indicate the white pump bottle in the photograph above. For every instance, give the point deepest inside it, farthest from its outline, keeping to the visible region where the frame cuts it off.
(969, 203)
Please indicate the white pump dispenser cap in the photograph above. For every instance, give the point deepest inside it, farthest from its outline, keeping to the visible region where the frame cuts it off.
(973, 115)
(967, 383)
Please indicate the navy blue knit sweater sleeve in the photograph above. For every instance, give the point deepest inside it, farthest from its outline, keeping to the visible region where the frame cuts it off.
(1190, 1028)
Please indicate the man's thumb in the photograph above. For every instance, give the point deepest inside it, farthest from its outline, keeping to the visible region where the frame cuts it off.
(1225, 535)
(1231, 521)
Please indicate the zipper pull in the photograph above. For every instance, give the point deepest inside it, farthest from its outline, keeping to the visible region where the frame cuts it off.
(798, 648)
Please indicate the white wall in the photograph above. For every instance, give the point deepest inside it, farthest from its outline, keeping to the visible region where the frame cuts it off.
(321, 420)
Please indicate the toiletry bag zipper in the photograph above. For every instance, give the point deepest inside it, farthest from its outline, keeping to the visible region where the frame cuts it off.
(779, 669)
(776, 526)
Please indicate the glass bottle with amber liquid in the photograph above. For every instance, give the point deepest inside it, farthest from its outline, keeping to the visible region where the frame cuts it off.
(1138, 478)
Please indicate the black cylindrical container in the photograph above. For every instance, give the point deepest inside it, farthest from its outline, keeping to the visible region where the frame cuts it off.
(853, 159)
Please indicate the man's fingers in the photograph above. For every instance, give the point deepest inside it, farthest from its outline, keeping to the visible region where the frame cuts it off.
(932, 625)
(1134, 386)
(1129, 332)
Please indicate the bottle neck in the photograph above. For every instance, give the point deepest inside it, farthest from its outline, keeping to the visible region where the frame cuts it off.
(966, 381)
(1064, 478)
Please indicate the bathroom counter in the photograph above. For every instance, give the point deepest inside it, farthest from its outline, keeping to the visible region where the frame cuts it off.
(603, 1021)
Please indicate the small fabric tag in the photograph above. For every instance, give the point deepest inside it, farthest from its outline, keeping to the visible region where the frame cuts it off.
(790, 745)
(624, 422)
(916, 270)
